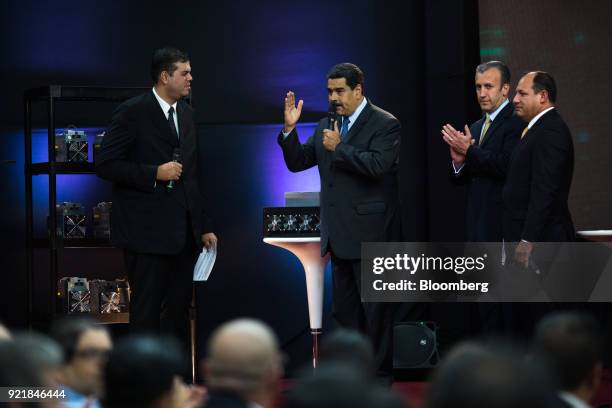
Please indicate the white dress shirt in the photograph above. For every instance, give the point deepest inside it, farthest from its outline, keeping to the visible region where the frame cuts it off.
(572, 400)
(538, 116)
(166, 107)
(353, 118)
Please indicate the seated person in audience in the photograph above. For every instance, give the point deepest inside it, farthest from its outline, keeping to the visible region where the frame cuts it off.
(474, 376)
(244, 366)
(86, 345)
(347, 346)
(339, 385)
(45, 353)
(26, 362)
(145, 372)
(570, 345)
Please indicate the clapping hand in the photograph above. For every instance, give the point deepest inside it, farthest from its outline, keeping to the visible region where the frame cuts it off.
(457, 140)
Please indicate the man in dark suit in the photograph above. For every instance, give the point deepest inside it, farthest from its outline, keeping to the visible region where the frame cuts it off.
(357, 163)
(481, 155)
(157, 216)
(479, 159)
(540, 174)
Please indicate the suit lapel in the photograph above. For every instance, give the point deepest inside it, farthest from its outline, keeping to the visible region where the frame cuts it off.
(362, 119)
(158, 118)
(540, 122)
(184, 134)
(478, 130)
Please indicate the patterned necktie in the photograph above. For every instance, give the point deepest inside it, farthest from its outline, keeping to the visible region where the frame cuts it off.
(171, 122)
(484, 130)
(344, 130)
(524, 132)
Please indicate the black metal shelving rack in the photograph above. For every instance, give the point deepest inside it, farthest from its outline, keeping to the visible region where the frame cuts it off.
(51, 95)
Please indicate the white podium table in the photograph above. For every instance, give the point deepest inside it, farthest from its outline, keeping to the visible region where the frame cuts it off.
(604, 236)
(596, 235)
(308, 251)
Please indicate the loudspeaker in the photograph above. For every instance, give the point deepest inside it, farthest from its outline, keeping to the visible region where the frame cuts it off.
(415, 345)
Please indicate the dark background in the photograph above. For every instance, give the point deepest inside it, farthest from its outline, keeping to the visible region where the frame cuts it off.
(418, 57)
(571, 41)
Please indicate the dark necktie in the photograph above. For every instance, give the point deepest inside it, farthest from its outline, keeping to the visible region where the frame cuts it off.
(171, 122)
(344, 129)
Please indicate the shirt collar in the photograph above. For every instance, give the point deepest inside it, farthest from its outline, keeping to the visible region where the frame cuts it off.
(355, 114)
(164, 105)
(75, 398)
(572, 400)
(493, 115)
(538, 116)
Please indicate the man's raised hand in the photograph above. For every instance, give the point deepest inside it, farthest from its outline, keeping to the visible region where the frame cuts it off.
(292, 113)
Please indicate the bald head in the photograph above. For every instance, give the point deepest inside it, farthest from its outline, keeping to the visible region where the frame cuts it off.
(535, 92)
(5, 334)
(242, 355)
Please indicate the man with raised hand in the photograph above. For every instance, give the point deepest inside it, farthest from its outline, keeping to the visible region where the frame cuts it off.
(357, 161)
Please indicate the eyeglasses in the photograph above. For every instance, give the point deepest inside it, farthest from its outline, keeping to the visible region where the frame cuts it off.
(92, 352)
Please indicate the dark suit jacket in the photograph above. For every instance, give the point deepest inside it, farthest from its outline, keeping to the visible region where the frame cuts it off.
(222, 399)
(538, 183)
(558, 402)
(359, 192)
(484, 173)
(146, 217)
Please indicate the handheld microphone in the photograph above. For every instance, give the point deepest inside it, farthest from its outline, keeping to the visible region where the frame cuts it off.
(176, 157)
(332, 117)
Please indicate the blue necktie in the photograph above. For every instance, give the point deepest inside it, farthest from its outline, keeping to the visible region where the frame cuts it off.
(344, 129)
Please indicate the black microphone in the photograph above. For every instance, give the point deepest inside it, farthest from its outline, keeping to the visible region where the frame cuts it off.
(332, 117)
(176, 157)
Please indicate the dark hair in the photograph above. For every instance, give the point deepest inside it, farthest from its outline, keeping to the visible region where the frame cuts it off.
(67, 331)
(41, 349)
(474, 375)
(570, 344)
(19, 368)
(339, 386)
(543, 81)
(351, 72)
(165, 59)
(500, 66)
(348, 347)
(140, 370)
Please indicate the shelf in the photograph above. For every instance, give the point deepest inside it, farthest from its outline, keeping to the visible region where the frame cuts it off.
(63, 168)
(102, 318)
(112, 318)
(74, 243)
(51, 96)
(83, 93)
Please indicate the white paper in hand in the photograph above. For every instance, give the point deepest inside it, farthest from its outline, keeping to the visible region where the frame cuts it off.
(205, 263)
